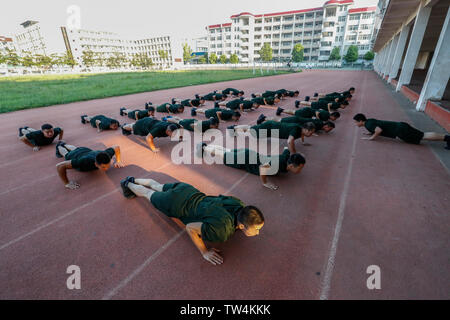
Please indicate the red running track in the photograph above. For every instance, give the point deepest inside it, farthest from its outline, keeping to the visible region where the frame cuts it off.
(356, 203)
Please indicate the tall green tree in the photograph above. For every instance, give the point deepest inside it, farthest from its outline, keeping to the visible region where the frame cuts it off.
(88, 58)
(141, 60)
(187, 52)
(68, 60)
(213, 58)
(28, 59)
(297, 53)
(234, 58)
(2, 58)
(12, 58)
(335, 54)
(266, 52)
(352, 54)
(43, 61)
(100, 59)
(223, 59)
(202, 60)
(369, 56)
(163, 54)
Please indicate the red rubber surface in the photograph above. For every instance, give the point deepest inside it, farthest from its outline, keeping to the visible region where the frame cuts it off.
(394, 211)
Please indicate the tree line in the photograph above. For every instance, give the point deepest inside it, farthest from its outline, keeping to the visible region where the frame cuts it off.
(266, 55)
(90, 59)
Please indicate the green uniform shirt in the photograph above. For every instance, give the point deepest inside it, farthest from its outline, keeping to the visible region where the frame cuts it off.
(225, 114)
(142, 127)
(285, 129)
(37, 138)
(217, 214)
(186, 124)
(234, 104)
(250, 161)
(301, 121)
(305, 113)
(83, 159)
(390, 128)
(138, 114)
(159, 129)
(233, 91)
(104, 124)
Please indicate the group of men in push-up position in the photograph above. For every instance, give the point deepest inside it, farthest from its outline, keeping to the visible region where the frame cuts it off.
(216, 218)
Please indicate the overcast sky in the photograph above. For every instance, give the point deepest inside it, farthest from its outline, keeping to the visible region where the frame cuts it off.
(140, 19)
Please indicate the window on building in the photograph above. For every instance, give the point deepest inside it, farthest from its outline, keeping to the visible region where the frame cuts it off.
(351, 38)
(353, 28)
(354, 17)
(367, 15)
(342, 18)
(330, 12)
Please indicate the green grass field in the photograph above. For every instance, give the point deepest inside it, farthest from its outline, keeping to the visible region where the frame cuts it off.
(17, 93)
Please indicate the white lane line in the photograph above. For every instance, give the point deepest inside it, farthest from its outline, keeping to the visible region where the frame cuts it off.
(67, 214)
(326, 282)
(163, 248)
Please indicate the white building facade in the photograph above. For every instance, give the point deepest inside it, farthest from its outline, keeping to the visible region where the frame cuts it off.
(107, 44)
(31, 38)
(319, 30)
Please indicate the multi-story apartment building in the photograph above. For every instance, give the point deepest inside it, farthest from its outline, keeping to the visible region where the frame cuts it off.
(5, 44)
(319, 30)
(108, 44)
(31, 39)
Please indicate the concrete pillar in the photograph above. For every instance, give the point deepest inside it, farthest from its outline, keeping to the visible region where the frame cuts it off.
(415, 43)
(383, 60)
(386, 59)
(391, 55)
(398, 54)
(439, 71)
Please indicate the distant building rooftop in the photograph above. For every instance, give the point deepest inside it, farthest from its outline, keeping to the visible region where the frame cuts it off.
(28, 23)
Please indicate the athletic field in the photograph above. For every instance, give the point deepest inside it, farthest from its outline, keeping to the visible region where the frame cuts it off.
(356, 204)
(17, 93)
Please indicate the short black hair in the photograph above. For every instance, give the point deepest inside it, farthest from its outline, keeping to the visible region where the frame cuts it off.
(151, 109)
(309, 126)
(46, 126)
(241, 92)
(296, 91)
(360, 117)
(172, 127)
(180, 106)
(351, 88)
(250, 216)
(329, 124)
(115, 122)
(225, 96)
(213, 121)
(345, 103)
(102, 158)
(236, 114)
(296, 159)
(316, 94)
(307, 98)
(349, 96)
(335, 114)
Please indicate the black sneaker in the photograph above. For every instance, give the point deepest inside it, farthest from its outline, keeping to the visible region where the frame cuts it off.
(82, 119)
(173, 100)
(127, 193)
(197, 97)
(279, 111)
(216, 105)
(59, 144)
(307, 98)
(193, 112)
(121, 111)
(297, 104)
(253, 95)
(316, 94)
(447, 139)
(20, 132)
(261, 119)
(125, 132)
